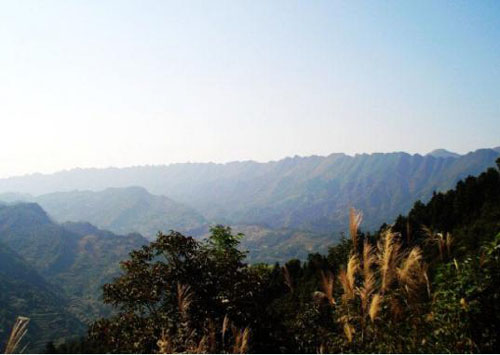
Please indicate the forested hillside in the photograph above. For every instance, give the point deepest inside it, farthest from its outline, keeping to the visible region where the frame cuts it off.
(429, 283)
(78, 258)
(54, 273)
(123, 211)
(299, 193)
(24, 292)
(433, 275)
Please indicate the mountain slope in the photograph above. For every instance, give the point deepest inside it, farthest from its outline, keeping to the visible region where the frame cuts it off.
(315, 193)
(471, 212)
(312, 193)
(122, 210)
(76, 258)
(280, 245)
(24, 292)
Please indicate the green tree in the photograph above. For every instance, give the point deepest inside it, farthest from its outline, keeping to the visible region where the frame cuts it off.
(181, 292)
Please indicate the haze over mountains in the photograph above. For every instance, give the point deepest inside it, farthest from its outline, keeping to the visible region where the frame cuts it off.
(54, 262)
(123, 210)
(310, 193)
(443, 153)
(287, 208)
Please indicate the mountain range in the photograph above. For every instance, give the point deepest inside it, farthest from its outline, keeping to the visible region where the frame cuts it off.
(311, 194)
(58, 248)
(122, 210)
(53, 273)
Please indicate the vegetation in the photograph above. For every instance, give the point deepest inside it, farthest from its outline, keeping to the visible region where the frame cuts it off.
(185, 294)
(24, 292)
(439, 290)
(53, 273)
(287, 209)
(18, 332)
(428, 283)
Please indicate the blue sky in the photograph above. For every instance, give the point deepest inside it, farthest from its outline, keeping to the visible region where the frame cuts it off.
(120, 83)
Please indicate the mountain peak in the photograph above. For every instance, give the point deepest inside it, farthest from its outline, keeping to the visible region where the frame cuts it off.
(19, 213)
(442, 153)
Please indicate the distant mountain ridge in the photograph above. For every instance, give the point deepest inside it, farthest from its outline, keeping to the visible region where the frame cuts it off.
(123, 210)
(301, 193)
(120, 210)
(443, 153)
(126, 210)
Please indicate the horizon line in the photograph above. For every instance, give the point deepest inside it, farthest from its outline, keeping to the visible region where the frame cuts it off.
(352, 155)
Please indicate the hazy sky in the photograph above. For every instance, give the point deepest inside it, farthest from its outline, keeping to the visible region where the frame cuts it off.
(119, 83)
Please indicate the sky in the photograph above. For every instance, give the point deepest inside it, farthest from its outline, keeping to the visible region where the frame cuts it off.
(121, 83)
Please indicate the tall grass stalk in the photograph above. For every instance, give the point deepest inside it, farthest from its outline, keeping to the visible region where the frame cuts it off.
(18, 332)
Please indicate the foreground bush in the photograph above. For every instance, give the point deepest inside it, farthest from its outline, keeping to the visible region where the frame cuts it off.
(181, 295)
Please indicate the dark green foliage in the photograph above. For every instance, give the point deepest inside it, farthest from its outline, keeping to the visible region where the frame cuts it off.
(81, 345)
(443, 323)
(77, 258)
(461, 314)
(466, 309)
(181, 289)
(72, 262)
(470, 212)
(147, 300)
(24, 292)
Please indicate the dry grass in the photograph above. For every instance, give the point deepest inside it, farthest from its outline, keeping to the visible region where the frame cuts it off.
(375, 306)
(184, 297)
(383, 275)
(369, 280)
(18, 332)
(355, 218)
(327, 284)
(349, 331)
(352, 268)
(288, 278)
(202, 347)
(225, 327)
(212, 336)
(369, 259)
(208, 341)
(241, 338)
(164, 344)
(389, 256)
(187, 339)
(366, 291)
(347, 278)
(442, 241)
(411, 274)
